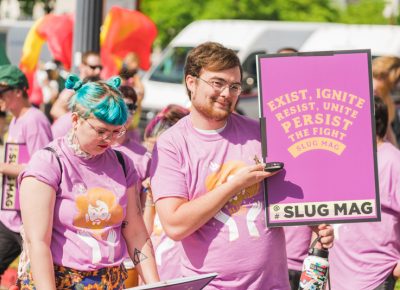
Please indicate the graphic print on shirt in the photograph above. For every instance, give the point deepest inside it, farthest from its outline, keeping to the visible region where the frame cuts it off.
(221, 174)
(97, 209)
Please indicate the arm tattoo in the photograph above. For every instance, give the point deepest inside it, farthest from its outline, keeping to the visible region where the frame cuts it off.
(138, 257)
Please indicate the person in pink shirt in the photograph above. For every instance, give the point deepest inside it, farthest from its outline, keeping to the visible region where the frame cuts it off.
(367, 255)
(79, 201)
(30, 129)
(207, 188)
(128, 142)
(166, 249)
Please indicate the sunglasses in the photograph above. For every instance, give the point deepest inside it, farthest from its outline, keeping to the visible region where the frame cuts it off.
(94, 67)
(2, 91)
(131, 107)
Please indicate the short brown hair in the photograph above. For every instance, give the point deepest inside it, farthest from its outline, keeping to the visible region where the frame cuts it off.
(211, 56)
(387, 69)
(128, 93)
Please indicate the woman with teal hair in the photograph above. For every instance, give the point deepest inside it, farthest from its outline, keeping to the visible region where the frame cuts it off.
(79, 205)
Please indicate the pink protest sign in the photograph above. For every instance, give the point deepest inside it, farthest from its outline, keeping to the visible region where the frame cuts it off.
(14, 154)
(317, 117)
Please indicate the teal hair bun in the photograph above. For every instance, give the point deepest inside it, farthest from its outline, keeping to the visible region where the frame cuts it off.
(73, 82)
(115, 82)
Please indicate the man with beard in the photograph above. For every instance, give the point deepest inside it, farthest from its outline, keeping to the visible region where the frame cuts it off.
(207, 188)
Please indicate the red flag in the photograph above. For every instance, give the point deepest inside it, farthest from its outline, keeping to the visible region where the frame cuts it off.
(126, 31)
(58, 30)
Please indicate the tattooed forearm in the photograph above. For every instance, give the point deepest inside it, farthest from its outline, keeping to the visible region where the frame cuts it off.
(138, 257)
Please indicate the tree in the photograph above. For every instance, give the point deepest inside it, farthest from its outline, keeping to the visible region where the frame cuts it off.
(364, 12)
(173, 15)
(27, 6)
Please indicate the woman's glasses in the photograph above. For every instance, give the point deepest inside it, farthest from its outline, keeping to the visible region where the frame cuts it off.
(106, 134)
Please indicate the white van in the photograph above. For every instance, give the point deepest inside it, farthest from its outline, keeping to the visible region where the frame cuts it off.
(381, 39)
(164, 82)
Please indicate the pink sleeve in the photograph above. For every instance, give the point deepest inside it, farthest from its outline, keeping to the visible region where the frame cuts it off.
(142, 165)
(38, 136)
(44, 167)
(167, 172)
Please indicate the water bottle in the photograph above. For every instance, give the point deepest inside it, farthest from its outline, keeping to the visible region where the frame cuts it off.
(314, 275)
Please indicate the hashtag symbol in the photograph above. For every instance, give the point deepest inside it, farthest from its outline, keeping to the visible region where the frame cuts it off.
(277, 216)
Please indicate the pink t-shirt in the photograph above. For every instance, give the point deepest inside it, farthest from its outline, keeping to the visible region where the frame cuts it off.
(62, 125)
(137, 153)
(32, 129)
(298, 239)
(365, 254)
(89, 208)
(235, 243)
(167, 252)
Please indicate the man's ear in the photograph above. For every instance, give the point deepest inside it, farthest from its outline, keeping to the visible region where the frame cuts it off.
(19, 93)
(191, 83)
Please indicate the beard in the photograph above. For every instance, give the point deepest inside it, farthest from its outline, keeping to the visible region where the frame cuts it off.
(211, 110)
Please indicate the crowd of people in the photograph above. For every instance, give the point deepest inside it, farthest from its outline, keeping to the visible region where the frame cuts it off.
(186, 198)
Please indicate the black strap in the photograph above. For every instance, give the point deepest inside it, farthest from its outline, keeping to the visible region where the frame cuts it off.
(52, 150)
(118, 153)
(120, 160)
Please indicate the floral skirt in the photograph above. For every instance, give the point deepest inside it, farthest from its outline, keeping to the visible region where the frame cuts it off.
(111, 278)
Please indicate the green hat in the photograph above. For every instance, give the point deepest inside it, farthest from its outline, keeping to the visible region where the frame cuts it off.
(11, 76)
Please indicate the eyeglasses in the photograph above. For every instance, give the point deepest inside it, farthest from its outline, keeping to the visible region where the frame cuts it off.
(106, 134)
(131, 107)
(94, 67)
(220, 85)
